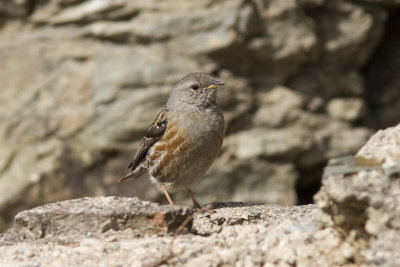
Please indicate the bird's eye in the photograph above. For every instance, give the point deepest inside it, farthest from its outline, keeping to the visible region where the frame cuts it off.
(194, 86)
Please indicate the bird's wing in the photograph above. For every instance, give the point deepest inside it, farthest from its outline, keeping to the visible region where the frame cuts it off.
(155, 132)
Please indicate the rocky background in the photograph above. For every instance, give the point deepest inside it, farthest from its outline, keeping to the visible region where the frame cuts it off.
(81, 81)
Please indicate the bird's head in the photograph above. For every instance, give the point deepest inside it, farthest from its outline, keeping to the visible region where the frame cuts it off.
(195, 89)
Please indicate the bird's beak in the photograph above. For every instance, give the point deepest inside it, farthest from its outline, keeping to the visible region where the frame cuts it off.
(215, 84)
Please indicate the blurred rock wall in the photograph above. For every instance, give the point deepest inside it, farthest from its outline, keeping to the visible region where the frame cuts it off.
(82, 80)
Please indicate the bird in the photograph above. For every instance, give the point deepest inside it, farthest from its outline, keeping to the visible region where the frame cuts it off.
(185, 137)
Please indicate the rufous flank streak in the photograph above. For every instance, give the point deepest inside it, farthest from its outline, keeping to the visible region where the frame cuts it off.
(172, 151)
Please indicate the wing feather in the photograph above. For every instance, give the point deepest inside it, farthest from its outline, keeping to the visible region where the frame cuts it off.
(155, 132)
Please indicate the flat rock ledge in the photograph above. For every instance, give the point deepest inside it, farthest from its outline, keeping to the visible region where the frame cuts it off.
(355, 222)
(113, 231)
(92, 217)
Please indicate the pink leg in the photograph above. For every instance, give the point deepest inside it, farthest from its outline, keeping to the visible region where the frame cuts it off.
(164, 189)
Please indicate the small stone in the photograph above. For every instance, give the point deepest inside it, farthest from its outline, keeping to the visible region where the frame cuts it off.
(349, 109)
(276, 106)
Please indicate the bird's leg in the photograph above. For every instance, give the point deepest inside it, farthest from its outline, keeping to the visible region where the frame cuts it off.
(195, 203)
(164, 189)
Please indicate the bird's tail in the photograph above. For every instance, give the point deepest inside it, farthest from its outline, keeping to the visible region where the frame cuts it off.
(133, 174)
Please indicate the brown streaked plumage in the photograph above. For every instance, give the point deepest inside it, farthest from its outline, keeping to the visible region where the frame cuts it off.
(185, 138)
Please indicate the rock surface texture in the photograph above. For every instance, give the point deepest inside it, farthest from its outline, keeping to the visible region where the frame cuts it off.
(82, 80)
(354, 223)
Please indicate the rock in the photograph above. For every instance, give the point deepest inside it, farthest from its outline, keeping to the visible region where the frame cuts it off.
(340, 49)
(270, 142)
(114, 31)
(277, 107)
(225, 214)
(383, 147)
(346, 109)
(225, 233)
(16, 8)
(255, 180)
(347, 139)
(86, 11)
(361, 196)
(228, 232)
(274, 48)
(346, 43)
(92, 217)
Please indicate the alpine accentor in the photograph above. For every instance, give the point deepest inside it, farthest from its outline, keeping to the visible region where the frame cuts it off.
(185, 137)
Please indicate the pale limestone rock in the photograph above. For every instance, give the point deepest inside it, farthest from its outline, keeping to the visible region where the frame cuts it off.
(346, 108)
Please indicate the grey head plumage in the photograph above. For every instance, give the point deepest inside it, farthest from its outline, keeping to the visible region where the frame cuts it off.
(194, 90)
